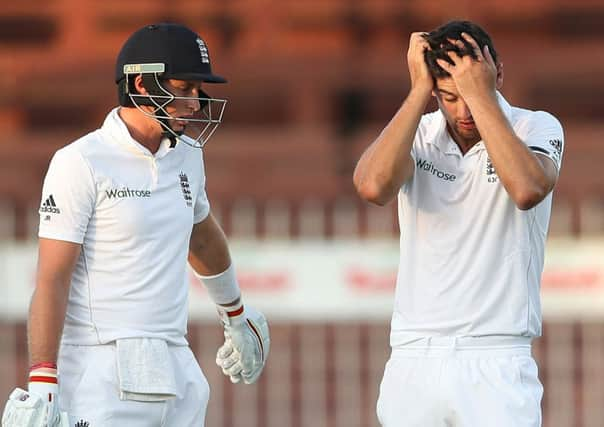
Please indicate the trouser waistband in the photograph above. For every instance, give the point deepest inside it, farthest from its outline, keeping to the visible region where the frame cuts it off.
(447, 344)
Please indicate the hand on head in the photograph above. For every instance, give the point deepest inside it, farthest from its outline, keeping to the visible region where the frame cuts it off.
(418, 69)
(474, 75)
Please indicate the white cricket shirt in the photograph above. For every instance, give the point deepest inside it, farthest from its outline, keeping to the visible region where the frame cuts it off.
(470, 261)
(132, 211)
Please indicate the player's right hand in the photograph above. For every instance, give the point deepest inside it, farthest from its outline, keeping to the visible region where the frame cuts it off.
(38, 407)
(25, 409)
(418, 69)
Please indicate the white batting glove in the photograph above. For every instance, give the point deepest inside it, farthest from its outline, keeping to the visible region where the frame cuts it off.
(246, 345)
(38, 407)
(227, 357)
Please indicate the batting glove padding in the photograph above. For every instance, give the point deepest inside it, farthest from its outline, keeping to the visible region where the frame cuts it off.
(38, 407)
(246, 345)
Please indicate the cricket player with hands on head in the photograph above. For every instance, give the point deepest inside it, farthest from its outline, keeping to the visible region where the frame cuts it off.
(474, 184)
(123, 209)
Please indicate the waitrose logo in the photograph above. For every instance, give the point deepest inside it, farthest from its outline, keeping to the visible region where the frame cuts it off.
(430, 168)
(127, 192)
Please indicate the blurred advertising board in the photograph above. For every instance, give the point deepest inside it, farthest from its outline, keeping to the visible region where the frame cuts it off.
(338, 280)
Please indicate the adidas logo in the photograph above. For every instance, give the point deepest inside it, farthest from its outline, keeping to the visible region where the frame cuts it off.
(49, 206)
(82, 423)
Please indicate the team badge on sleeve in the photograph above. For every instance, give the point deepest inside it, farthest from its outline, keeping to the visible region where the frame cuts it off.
(490, 171)
(557, 146)
(186, 189)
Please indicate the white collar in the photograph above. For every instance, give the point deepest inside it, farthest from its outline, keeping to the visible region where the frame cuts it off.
(115, 127)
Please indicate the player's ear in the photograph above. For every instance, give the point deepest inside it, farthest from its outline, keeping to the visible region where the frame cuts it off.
(434, 87)
(139, 85)
(499, 80)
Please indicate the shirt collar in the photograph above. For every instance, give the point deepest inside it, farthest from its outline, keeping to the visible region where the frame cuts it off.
(439, 136)
(115, 127)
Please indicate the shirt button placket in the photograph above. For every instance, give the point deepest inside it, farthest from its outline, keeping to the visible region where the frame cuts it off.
(154, 172)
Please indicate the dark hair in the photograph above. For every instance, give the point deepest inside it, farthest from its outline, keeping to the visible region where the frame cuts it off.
(438, 40)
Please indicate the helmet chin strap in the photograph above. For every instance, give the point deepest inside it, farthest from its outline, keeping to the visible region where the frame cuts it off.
(170, 133)
(158, 114)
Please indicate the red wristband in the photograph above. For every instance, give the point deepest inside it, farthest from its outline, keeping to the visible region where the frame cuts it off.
(43, 365)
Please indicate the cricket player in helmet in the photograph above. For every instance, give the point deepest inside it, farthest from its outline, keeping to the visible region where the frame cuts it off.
(109, 312)
(157, 55)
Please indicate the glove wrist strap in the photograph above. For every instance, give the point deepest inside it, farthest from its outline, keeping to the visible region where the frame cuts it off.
(43, 381)
(232, 315)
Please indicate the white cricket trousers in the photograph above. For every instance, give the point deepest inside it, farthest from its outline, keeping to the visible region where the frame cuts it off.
(89, 391)
(461, 382)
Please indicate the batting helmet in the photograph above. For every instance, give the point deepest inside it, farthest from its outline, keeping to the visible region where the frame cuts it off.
(166, 51)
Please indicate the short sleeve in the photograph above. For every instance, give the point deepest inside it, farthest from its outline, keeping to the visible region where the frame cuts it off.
(68, 197)
(544, 135)
(413, 153)
(202, 205)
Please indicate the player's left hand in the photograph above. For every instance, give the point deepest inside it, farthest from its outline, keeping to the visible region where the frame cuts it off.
(473, 77)
(247, 343)
(226, 358)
